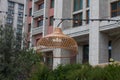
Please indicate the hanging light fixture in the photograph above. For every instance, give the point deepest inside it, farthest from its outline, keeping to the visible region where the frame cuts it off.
(58, 40)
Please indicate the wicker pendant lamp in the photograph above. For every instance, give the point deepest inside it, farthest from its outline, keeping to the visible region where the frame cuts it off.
(58, 40)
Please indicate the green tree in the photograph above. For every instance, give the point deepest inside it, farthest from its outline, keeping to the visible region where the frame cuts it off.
(15, 63)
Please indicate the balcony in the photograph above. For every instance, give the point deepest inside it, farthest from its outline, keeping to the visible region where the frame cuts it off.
(37, 30)
(106, 25)
(38, 13)
(77, 31)
(36, 1)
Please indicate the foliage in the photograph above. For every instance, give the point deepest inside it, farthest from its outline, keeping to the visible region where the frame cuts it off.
(77, 72)
(22, 64)
(39, 72)
(15, 63)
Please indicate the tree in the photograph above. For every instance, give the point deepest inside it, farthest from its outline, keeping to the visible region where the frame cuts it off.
(15, 63)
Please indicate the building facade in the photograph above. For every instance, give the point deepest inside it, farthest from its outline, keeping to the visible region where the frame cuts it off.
(11, 14)
(98, 41)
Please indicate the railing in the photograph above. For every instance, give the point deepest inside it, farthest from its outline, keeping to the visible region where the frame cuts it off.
(37, 30)
(38, 13)
(36, 0)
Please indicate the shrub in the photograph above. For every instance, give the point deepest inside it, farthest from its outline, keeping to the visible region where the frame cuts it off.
(78, 72)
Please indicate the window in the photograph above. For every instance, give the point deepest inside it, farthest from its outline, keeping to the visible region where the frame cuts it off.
(41, 6)
(87, 3)
(87, 16)
(18, 38)
(115, 9)
(21, 7)
(109, 49)
(10, 4)
(85, 53)
(30, 12)
(20, 22)
(51, 21)
(40, 23)
(20, 14)
(37, 40)
(28, 44)
(79, 21)
(78, 5)
(19, 30)
(29, 27)
(9, 20)
(48, 60)
(10, 11)
(52, 4)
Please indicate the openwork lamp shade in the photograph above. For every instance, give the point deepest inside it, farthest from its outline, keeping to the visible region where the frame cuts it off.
(58, 40)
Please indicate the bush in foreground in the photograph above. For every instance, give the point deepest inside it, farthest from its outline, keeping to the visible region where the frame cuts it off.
(78, 72)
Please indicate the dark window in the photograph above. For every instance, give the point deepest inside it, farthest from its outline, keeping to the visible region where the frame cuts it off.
(49, 59)
(20, 14)
(29, 27)
(20, 22)
(21, 7)
(78, 5)
(40, 23)
(37, 40)
(51, 21)
(9, 20)
(52, 4)
(28, 44)
(18, 39)
(41, 6)
(77, 21)
(10, 12)
(109, 50)
(10, 4)
(87, 16)
(19, 30)
(87, 3)
(30, 12)
(85, 54)
(115, 9)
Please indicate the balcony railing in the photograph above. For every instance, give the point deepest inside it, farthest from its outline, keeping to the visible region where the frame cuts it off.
(38, 13)
(77, 31)
(36, 0)
(37, 30)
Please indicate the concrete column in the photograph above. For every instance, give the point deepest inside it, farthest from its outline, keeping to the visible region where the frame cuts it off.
(45, 21)
(65, 53)
(56, 61)
(60, 53)
(99, 49)
(84, 11)
(116, 50)
(32, 25)
(24, 28)
(98, 42)
(103, 47)
(15, 17)
(62, 9)
(79, 55)
(58, 6)
(94, 33)
(3, 16)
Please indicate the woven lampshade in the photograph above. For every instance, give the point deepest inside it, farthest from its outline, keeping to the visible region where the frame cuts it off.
(58, 40)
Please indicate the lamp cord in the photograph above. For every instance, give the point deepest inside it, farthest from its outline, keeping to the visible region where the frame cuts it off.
(60, 22)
